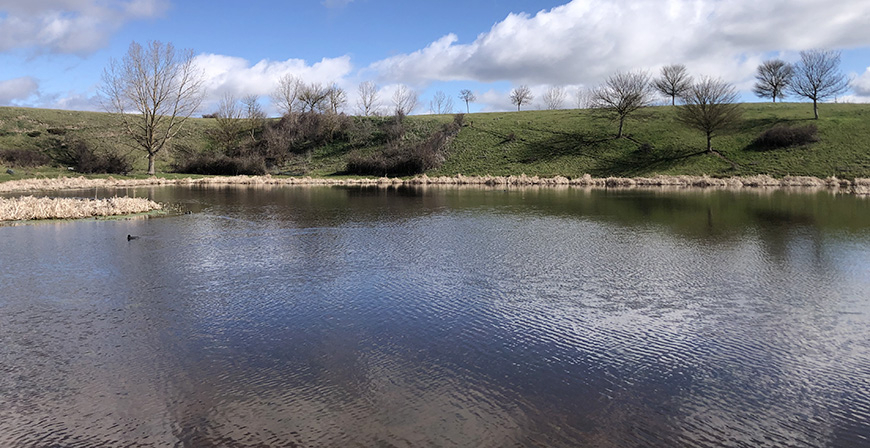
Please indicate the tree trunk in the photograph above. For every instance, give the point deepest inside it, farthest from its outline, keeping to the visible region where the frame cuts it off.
(673, 100)
(467, 109)
(151, 163)
(709, 142)
(816, 109)
(621, 122)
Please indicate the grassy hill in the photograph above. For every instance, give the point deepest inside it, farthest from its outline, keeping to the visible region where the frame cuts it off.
(545, 143)
(574, 142)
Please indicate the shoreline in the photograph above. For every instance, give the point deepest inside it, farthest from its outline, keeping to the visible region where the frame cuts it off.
(860, 186)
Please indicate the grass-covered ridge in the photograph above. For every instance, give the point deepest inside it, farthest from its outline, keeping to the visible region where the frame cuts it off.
(567, 143)
(575, 142)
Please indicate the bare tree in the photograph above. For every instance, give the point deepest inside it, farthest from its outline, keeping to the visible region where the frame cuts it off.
(710, 107)
(555, 97)
(286, 95)
(583, 98)
(674, 82)
(405, 100)
(313, 97)
(817, 76)
(228, 121)
(254, 115)
(469, 97)
(441, 103)
(623, 94)
(368, 102)
(153, 90)
(521, 95)
(772, 79)
(337, 98)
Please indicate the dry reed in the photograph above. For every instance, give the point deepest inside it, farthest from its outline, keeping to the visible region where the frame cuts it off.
(858, 186)
(30, 207)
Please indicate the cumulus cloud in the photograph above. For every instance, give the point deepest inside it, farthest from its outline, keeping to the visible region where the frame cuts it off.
(236, 76)
(68, 26)
(17, 89)
(584, 41)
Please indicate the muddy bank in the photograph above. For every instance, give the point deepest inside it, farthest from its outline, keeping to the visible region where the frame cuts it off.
(855, 186)
(33, 208)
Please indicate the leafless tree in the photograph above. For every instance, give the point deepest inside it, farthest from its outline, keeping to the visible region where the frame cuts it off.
(337, 98)
(405, 100)
(313, 97)
(521, 95)
(583, 98)
(286, 95)
(710, 107)
(623, 94)
(817, 76)
(469, 97)
(673, 82)
(441, 103)
(368, 102)
(555, 97)
(772, 79)
(228, 121)
(254, 115)
(153, 90)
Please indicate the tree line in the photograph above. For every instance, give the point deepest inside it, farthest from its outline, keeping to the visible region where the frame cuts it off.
(154, 89)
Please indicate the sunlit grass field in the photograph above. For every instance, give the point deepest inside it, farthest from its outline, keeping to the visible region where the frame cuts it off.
(544, 143)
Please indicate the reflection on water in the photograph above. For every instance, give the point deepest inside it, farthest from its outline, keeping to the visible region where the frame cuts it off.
(442, 317)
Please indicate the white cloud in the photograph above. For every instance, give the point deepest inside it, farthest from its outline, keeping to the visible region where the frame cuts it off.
(227, 74)
(585, 40)
(68, 26)
(17, 89)
(860, 86)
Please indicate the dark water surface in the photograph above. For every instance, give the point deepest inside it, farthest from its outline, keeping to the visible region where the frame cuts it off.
(443, 317)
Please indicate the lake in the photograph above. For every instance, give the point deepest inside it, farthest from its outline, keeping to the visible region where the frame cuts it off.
(399, 317)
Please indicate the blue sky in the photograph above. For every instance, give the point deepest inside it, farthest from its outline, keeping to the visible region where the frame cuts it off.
(52, 52)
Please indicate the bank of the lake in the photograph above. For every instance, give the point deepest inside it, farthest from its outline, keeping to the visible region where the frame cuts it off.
(859, 186)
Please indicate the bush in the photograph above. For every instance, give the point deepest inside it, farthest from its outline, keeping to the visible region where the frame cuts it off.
(24, 157)
(398, 160)
(219, 165)
(79, 155)
(298, 133)
(781, 136)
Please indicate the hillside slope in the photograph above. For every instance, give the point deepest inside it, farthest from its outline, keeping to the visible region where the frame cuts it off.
(546, 143)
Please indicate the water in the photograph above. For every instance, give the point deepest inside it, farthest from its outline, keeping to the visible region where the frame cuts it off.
(365, 317)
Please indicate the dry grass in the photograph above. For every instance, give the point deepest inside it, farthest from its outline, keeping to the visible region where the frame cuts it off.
(858, 186)
(30, 207)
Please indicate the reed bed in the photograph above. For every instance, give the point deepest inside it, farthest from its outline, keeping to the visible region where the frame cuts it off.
(857, 186)
(31, 208)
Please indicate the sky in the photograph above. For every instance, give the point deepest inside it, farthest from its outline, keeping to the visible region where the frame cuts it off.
(53, 52)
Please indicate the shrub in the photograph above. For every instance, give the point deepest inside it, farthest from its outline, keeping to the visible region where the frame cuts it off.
(79, 155)
(781, 136)
(24, 157)
(399, 160)
(219, 165)
(298, 133)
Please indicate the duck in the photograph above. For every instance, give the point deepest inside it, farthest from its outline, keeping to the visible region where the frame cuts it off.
(131, 237)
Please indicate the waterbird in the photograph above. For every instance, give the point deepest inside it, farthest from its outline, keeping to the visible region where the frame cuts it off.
(131, 237)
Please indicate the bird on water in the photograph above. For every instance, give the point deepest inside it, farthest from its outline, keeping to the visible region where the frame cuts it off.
(131, 237)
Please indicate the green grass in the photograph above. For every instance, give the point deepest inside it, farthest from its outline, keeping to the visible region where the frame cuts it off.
(574, 142)
(544, 143)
